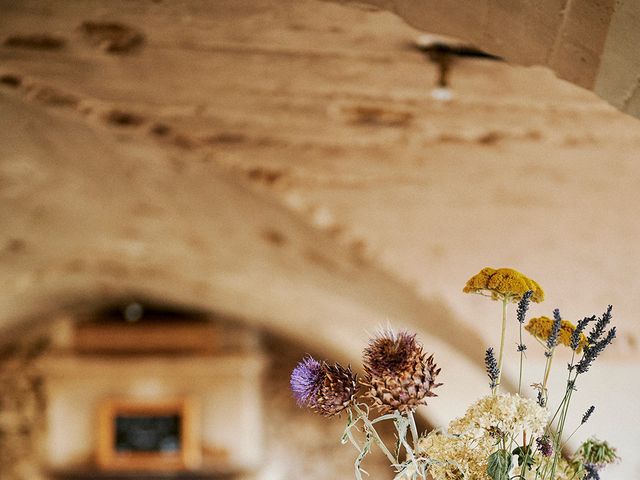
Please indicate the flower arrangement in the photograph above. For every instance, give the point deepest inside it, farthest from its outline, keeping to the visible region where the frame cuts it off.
(502, 436)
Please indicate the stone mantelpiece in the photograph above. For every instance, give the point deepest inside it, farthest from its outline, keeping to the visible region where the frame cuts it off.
(90, 474)
(59, 366)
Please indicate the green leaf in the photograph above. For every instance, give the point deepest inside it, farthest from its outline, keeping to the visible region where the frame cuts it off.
(499, 464)
(524, 453)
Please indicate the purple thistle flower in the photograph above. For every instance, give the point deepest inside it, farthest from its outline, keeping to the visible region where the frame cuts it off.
(306, 380)
(544, 445)
(326, 389)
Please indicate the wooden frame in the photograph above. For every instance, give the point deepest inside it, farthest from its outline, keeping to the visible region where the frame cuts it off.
(110, 456)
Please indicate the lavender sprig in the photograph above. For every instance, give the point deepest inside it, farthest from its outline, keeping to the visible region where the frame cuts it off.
(593, 472)
(523, 305)
(587, 414)
(575, 336)
(593, 351)
(600, 326)
(552, 341)
(493, 372)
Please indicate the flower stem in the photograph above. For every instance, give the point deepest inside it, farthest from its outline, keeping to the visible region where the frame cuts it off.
(353, 441)
(403, 439)
(528, 455)
(414, 429)
(521, 360)
(388, 416)
(561, 423)
(564, 444)
(547, 370)
(505, 300)
(563, 418)
(369, 426)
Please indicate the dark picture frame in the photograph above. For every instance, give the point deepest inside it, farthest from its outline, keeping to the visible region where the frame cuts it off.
(140, 435)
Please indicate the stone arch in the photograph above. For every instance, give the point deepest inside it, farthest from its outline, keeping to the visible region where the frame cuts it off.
(233, 251)
(589, 43)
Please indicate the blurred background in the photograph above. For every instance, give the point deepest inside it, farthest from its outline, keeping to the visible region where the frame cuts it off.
(194, 195)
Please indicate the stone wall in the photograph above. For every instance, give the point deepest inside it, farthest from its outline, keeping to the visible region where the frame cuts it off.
(22, 409)
(298, 443)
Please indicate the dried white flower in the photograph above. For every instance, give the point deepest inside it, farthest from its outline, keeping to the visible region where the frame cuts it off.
(456, 457)
(463, 451)
(510, 413)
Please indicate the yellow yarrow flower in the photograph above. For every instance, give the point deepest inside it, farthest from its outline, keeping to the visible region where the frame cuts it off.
(541, 327)
(503, 283)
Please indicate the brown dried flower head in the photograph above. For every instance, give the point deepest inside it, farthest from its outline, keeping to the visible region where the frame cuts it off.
(326, 389)
(503, 283)
(399, 376)
(337, 390)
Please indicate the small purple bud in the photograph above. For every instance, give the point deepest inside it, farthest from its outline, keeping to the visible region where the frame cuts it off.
(544, 445)
(306, 380)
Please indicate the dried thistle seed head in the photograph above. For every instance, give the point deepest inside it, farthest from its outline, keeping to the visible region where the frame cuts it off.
(399, 376)
(391, 352)
(337, 390)
(326, 389)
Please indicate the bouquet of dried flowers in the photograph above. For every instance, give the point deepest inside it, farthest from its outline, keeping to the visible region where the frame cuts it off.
(502, 436)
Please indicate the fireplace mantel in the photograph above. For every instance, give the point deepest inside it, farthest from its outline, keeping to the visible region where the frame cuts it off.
(223, 385)
(92, 474)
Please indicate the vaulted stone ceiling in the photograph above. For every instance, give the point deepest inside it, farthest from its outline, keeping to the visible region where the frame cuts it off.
(590, 43)
(285, 163)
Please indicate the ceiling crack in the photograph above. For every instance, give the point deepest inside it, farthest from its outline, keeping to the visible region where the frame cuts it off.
(564, 14)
